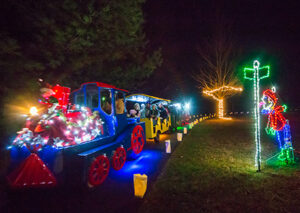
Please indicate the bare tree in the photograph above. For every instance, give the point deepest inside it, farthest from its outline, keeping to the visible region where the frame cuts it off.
(216, 72)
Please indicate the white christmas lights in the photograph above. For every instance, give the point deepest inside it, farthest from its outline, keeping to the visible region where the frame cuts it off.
(256, 77)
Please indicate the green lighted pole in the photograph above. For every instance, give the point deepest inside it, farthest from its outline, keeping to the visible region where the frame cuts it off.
(256, 77)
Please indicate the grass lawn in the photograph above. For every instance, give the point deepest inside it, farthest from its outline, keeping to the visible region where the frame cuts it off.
(212, 171)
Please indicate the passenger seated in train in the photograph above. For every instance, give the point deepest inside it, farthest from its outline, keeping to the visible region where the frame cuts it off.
(167, 111)
(162, 111)
(135, 112)
(143, 111)
(148, 110)
(106, 106)
(120, 106)
(154, 114)
(106, 101)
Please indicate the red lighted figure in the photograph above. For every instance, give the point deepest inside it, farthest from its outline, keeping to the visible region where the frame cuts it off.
(276, 121)
(278, 125)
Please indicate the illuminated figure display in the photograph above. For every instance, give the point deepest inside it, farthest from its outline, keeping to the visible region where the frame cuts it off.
(278, 125)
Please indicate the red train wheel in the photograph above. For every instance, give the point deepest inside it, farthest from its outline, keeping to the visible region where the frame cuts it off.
(119, 158)
(137, 139)
(98, 170)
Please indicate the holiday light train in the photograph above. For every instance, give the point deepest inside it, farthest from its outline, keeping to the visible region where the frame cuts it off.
(76, 141)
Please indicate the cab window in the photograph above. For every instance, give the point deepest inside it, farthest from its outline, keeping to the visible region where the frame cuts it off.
(119, 102)
(92, 96)
(105, 95)
(80, 98)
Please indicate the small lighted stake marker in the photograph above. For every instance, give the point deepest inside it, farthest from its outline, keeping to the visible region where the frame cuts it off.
(168, 146)
(140, 185)
(255, 75)
(179, 136)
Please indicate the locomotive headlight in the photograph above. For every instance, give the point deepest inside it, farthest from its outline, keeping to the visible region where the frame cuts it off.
(187, 106)
(33, 111)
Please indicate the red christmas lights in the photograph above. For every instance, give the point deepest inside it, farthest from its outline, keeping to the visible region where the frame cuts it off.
(275, 118)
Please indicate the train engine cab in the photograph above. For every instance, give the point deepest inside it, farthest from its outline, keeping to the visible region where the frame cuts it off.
(106, 99)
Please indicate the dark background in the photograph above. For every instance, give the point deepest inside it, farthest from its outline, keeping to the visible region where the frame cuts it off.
(264, 30)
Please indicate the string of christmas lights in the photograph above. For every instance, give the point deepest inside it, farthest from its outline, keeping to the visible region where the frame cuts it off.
(256, 77)
(212, 93)
(61, 129)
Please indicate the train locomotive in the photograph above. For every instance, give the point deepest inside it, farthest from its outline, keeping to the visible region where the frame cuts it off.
(79, 137)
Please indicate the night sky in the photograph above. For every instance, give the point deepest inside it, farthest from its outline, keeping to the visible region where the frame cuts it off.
(264, 30)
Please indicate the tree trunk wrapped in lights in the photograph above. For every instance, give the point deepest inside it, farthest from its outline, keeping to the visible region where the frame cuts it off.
(219, 94)
(216, 74)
